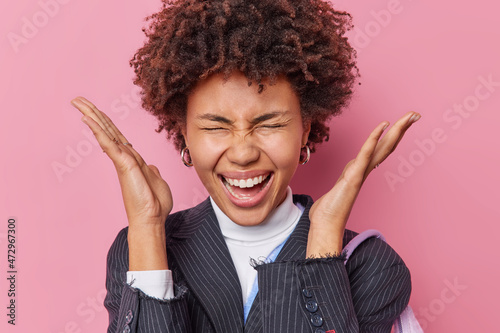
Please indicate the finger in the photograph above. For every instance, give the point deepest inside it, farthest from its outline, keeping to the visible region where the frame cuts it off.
(86, 110)
(134, 175)
(104, 119)
(108, 126)
(155, 170)
(365, 155)
(113, 127)
(355, 171)
(114, 151)
(122, 138)
(107, 144)
(392, 138)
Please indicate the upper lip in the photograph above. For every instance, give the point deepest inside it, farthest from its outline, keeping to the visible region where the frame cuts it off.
(244, 174)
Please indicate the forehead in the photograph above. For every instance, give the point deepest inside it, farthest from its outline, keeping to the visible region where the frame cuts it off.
(235, 99)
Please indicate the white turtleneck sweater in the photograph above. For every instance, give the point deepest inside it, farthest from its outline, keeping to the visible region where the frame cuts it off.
(244, 243)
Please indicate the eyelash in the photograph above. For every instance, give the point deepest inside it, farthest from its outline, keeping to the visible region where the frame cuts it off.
(212, 128)
(272, 126)
(220, 128)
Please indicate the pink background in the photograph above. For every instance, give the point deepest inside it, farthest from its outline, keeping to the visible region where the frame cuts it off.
(435, 199)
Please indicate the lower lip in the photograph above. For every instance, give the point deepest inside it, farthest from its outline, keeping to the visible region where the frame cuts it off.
(253, 201)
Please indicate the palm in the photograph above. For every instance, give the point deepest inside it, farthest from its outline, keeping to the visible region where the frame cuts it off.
(329, 214)
(146, 196)
(334, 205)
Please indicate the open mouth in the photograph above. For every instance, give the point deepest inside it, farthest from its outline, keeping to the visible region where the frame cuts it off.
(246, 189)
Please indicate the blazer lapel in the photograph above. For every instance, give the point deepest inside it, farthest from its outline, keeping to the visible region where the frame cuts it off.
(201, 253)
(296, 245)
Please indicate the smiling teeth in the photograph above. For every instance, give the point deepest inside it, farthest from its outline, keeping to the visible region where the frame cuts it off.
(244, 183)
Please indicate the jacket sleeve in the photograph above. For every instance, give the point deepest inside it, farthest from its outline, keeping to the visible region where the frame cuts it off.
(380, 285)
(366, 295)
(130, 309)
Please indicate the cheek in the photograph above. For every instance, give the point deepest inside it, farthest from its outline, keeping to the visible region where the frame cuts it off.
(205, 155)
(284, 151)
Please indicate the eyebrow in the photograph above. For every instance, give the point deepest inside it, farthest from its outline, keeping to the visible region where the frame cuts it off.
(256, 120)
(214, 117)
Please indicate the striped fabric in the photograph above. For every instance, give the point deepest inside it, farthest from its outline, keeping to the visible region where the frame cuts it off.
(295, 294)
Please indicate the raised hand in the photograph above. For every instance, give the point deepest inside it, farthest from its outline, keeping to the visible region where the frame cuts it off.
(146, 196)
(329, 214)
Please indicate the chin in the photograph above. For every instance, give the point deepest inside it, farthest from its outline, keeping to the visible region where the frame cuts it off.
(248, 218)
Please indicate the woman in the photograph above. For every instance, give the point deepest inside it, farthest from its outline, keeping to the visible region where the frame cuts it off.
(245, 90)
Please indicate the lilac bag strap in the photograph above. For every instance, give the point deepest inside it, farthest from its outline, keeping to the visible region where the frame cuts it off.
(406, 322)
(360, 238)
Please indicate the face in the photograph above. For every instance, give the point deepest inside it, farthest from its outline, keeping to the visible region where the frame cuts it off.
(244, 145)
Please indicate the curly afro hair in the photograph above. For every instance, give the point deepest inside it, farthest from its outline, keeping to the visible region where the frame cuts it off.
(189, 40)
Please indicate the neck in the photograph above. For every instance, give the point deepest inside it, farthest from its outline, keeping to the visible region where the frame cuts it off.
(276, 223)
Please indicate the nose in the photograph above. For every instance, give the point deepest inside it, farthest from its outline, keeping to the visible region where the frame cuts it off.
(242, 151)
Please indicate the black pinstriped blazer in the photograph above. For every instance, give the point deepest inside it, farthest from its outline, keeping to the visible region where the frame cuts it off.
(295, 294)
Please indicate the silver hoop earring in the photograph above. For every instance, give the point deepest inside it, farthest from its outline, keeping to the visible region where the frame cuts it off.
(308, 155)
(183, 152)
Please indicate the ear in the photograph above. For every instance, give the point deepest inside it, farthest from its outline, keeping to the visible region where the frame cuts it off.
(307, 130)
(184, 134)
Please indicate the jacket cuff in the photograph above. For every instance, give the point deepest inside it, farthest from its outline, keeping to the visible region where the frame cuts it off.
(320, 286)
(136, 304)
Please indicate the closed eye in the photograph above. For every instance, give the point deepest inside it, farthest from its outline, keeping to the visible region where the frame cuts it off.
(272, 126)
(212, 128)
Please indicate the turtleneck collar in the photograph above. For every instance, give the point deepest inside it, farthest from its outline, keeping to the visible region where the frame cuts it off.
(280, 221)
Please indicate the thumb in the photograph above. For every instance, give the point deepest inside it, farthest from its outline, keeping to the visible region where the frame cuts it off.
(155, 170)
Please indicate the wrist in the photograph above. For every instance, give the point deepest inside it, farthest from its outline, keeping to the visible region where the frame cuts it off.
(323, 243)
(147, 248)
